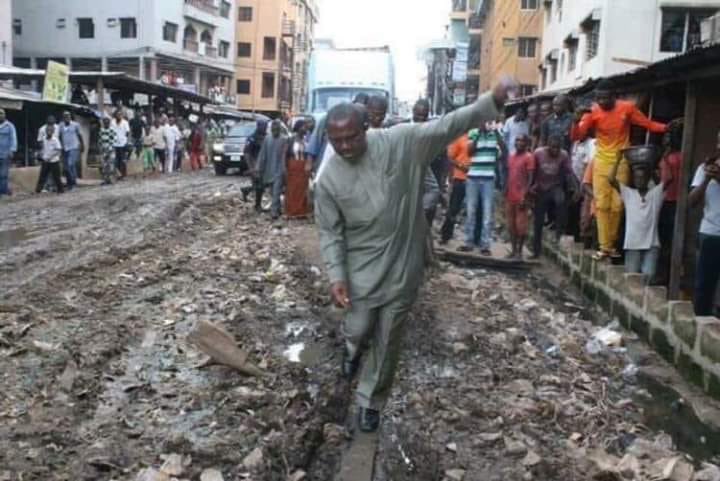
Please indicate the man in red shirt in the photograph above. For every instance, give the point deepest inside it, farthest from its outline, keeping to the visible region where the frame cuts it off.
(521, 170)
(670, 167)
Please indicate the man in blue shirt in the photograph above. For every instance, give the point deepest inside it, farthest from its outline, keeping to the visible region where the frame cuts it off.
(73, 145)
(8, 147)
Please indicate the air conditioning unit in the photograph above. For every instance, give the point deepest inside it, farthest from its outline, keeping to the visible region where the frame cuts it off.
(112, 22)
(710, 30)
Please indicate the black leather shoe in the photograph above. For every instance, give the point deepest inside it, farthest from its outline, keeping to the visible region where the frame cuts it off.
(349, 366)
(368, 420)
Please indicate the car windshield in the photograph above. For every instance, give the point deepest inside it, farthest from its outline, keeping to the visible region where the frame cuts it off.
(242, 130)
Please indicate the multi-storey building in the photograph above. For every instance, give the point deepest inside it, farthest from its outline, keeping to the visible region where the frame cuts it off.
(586, 39)
(6, 32)
(274, 38)
(511, 34)
(185, 43)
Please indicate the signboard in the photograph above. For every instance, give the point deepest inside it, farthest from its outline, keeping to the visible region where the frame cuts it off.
(459, 73)
(57, 82)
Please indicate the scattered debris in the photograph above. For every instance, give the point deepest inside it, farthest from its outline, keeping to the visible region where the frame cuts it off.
(211, 475)
(218, 344)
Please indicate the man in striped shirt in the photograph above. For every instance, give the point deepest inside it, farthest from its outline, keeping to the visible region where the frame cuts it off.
(480, 187)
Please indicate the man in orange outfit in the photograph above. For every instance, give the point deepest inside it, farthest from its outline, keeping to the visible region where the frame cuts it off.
(611, 119)
(459, 155)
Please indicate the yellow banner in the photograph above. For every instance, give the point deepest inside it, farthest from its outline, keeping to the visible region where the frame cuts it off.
(57, 82)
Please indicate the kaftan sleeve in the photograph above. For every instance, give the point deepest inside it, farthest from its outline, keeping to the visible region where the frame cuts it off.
(426, 140)
(331, 226)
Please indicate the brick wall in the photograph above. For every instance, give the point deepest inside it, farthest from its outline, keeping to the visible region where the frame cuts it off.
(689, 342)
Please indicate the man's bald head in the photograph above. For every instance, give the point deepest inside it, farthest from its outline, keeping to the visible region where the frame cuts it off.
(346, 128)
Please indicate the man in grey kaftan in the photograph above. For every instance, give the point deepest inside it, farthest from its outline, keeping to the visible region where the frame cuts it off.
(271, 165)
(370, 216)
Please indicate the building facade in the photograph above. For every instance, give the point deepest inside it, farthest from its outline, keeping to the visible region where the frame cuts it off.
(274, 40)
(512, 32)
(6, 32)
(586, 39)
(184, 43)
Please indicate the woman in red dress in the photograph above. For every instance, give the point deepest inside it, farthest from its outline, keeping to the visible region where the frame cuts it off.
(298, 174)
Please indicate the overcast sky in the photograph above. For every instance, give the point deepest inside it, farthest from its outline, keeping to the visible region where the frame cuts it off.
(405, 25)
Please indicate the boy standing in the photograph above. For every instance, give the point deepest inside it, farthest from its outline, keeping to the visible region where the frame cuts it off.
(642, 211)
(521, 170)
(51, 150)
(107, 138)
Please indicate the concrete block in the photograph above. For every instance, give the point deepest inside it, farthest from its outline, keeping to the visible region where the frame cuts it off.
(656, 303)
(576, 278)
(621, 313)
(690, 370)
(600, 270)
(683, 321)
(578, 253)
(589, 290)
(709, 328)
(635, 289)
(586, 266)
(713, 385)
(659, 340)
(603, 300)
(615, 276)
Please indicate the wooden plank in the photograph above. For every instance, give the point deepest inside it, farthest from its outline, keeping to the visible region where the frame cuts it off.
(477, 260)
(681, 214)
(358, 462)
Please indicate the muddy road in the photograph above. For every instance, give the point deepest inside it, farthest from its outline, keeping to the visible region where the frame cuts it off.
(101, 287)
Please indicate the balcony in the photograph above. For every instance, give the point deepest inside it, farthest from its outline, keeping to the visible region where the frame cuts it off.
(476, 23)
(207, 6)
(191, 46)
(288, 28)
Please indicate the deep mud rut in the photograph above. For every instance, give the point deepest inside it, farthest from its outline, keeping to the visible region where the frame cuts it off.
(101, 287)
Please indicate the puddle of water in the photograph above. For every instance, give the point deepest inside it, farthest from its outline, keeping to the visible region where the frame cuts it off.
(13, 237)
(665, 412)
(302, 353)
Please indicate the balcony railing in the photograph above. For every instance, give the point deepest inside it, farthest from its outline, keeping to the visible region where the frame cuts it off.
(288, 28)
(191, 45)
(207, 6)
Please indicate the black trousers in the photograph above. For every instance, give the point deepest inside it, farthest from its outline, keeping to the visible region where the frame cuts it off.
(457, 200)
(160, 156)
(52, 169)
(121, 160)
(553, 201)
(707, 274)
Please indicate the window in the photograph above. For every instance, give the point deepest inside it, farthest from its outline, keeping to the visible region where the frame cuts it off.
(224, 49)
(244, 49)
(553, 71)
(527, 47)
(592, 30)
(527, 90)
(243, 87)
(245, 14)
(225, 9)
(529, 4)
(268, 85)
(170, 31)
(86, 28)
(17, 26)
(269, 48)
(128, 28)
(572, 55)
(681, 29)
(508, 42)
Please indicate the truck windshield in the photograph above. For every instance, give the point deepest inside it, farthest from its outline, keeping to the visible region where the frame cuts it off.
(325, 99)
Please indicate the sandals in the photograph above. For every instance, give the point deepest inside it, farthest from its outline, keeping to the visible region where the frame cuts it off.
(601, 255)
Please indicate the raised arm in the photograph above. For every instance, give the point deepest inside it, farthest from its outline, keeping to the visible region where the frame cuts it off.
(638, 118)
(428, 138)
(580, 130)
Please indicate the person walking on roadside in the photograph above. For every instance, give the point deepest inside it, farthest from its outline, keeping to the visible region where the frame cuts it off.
(271, 165)
(521, 171)
(706, 191)
(51, 152)
(157, 134)
(370, 216)
(485, 148)
(122, 131)
(459, 155)
(137, 133)
(197, 147)
(106, 146)
(8, 147)
(611, 120)
(73, 147)
(251, 154)
(298, 170)
(558, 123)
(172, 138)
(553, 175)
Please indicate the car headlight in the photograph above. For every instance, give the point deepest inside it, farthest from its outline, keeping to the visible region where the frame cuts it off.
(219, 148)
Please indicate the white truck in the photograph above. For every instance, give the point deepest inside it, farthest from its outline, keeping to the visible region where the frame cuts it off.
(338, 74)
